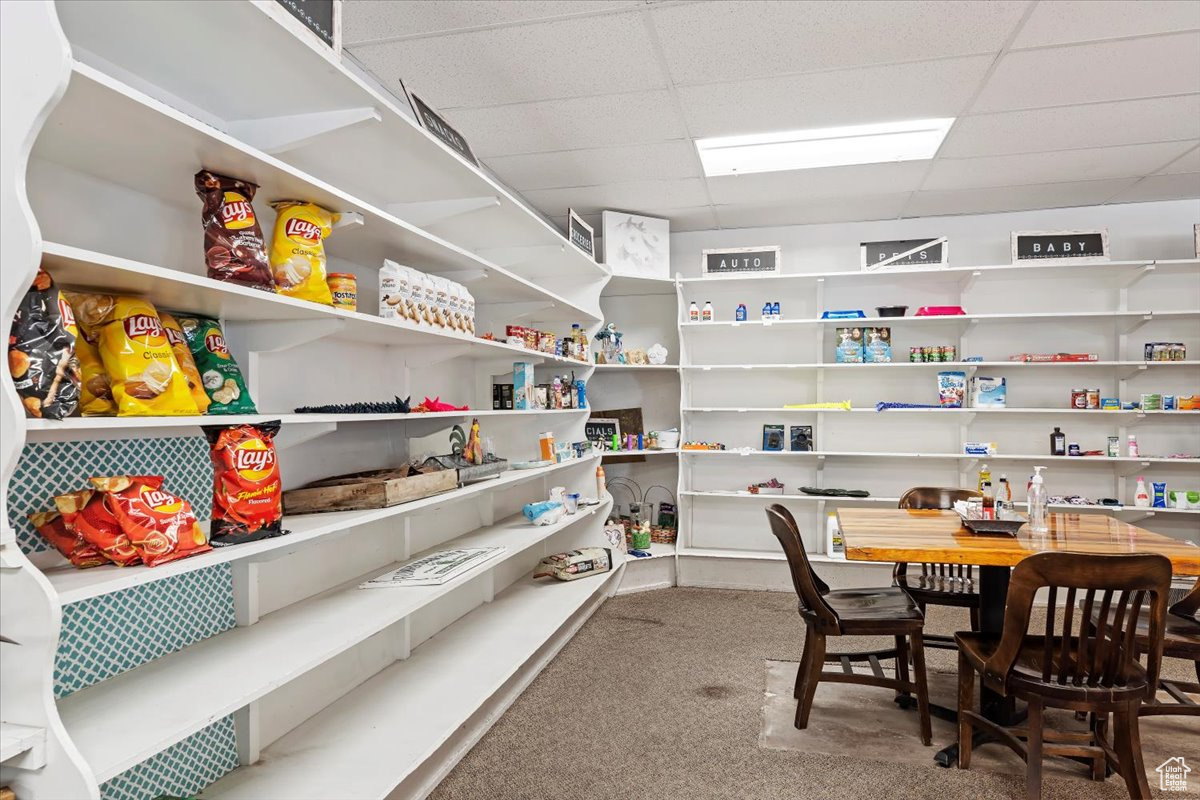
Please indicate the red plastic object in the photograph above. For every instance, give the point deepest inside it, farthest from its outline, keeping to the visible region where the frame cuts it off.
(436, 404)
(940, 311)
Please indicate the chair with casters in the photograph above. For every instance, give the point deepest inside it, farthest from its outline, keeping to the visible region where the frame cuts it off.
(887, 611)
(1081, 666)
(939, 584)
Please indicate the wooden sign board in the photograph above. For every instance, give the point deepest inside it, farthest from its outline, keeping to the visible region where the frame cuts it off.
(1060, 247)
(629, 420)
(581, 234)
(602, 429)
(319, 16)
(445, 133)
(740, 260)
(905, 253)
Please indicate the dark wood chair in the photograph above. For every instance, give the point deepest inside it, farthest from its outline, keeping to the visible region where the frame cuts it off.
(1094, 668)
(887, 611)
(939, 584)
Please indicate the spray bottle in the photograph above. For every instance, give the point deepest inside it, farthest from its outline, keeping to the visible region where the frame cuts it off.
(1037, 503)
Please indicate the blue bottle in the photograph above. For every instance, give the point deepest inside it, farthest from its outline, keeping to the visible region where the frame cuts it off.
(740, 314)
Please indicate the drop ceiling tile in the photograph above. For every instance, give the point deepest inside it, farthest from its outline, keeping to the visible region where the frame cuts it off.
(1088, 73)
(1134, 160)
(1014, 198)
(569, 57)
(1066, 21)
(798, 185)
(602, 121)
(700, 218)
(1190, 162)
(1162, 119)
(728, 41)
(811, 212)
(641, 197)
(662, 161)
(844, 97)
(371, 20)
(1162, 187)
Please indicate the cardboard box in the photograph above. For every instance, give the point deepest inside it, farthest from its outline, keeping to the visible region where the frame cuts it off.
(523, 385)
(849, 346)
(802, 438)
(878, 347)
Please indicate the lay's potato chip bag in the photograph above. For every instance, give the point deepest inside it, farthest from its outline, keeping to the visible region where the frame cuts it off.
(183, 355)
(146, 378)
(95, 393)
(298, 250)
(219, 373)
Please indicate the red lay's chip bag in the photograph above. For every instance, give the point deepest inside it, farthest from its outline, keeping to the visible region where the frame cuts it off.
(247, 490)
(160, 525)
(86, 513)
(53, 528)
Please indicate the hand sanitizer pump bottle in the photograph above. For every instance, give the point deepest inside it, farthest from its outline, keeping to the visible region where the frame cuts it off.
(1037, 503)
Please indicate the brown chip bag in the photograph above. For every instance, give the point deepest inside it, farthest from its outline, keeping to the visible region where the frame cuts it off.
(234, 248)
(183, 355)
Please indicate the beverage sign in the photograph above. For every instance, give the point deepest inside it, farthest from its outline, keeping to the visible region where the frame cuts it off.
(1060, 246)
(581, 234)
(739, 260)
(444, 131)
(905, 253)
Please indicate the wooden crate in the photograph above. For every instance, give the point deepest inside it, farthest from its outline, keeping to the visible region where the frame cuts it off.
(374, 489)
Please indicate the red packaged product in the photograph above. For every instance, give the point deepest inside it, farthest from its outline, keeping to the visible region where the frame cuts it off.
(53, 528)
(160, 525)
(247, 490)
(86, 513)
(234, 248)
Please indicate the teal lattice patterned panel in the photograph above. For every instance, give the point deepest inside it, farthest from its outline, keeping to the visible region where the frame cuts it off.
(50, 468)
(107, 635)
(181, 770)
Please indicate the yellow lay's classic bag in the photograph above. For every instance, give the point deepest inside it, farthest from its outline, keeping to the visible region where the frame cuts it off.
(146, 378)
(95, 393)
(183, 356)
(298, 250)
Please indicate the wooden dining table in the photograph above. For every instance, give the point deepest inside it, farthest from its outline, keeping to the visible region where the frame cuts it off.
(938, 537)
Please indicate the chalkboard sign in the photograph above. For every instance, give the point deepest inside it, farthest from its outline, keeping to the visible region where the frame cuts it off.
(738, 260)
(600, 429)
(1060, 246)
(317, 16)
(581, 234)
(905, 253)
(444, 131)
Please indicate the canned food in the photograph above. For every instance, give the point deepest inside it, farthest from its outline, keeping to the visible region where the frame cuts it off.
(915, 354)
(1093, 398)
(344, 288)
(931, 353)
(949, 352)
(1079, 398)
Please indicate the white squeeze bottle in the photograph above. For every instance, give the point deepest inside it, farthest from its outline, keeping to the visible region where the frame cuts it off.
(693, 312)
(1037, 502)
(1141, 498)
(707, 314)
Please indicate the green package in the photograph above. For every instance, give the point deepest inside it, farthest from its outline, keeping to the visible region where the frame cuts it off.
(222, 379)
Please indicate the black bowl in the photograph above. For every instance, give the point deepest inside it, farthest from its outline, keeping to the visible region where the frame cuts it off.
(891, 311)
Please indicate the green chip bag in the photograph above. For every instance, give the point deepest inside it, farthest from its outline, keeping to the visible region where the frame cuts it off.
(218, 371)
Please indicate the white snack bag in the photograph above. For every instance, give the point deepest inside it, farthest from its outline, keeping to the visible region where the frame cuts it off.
(441, 302)
(391, 296)
(421, 310)
(454, 320)
(470, 311)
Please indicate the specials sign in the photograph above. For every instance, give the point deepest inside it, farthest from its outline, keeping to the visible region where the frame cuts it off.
(739, 260)
(905, 253)
(441, 129)
(1060, 247)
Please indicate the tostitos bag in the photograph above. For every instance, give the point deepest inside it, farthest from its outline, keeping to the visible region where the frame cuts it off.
(298, 250)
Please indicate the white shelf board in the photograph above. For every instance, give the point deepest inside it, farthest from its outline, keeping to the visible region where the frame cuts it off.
(16, 740)
(1090, 272)
(73, 585)
(166, 700)
(1089, 460)
(656, 550)
(390, 160)
(366, 743)
(634, 367)
(135, 141)
(173, 289)
(1001, 411)
(743, 495)
(629, 286)
(615, 453)
(956, 319)
(1138, 365)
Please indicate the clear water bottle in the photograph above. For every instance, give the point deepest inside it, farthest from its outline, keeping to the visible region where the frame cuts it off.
(1038, 522)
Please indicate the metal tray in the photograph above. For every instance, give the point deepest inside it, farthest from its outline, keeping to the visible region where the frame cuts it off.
(994, 527)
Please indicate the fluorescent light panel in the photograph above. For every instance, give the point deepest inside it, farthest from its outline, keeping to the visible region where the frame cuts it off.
(823, 147)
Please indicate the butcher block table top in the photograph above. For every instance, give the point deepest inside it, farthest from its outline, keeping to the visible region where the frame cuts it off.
(938, 537)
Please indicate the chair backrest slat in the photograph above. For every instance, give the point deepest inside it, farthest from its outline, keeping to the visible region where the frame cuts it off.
(809, 587)
(1064, 654)
(1048, 639)
(937, 498)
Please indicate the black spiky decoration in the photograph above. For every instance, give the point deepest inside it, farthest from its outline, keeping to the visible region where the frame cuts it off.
(396, 406)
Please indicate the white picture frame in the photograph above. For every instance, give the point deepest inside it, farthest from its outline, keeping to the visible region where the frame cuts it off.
(636, 246)
(751, 268)
(890, 263)
(1104, 259)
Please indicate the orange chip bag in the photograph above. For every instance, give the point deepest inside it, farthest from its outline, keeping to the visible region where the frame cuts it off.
(183, 356)
(53, 528)
(146, 378)
(95, 391)
(160, 525)
(85, 512)
(298, 250)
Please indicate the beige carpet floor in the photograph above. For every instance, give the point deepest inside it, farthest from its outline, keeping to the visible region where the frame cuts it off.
(660, 696)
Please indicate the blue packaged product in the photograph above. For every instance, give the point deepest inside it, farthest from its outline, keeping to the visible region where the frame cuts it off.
(952, 389)
(1110, 404)
(855, 314)
(522, 385)
(1160, 495)
(775, 310)
(849, 346)
(1168, 402)
(878, 349)
(740, 314)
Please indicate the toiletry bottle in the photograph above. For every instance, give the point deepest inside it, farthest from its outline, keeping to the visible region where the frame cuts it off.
(1003, 498)
(775, 312)
(989, 501)
(766, 310)
(740, 314)
(985, 476)
(833, 537)
(600, 488)
(707, 314)
(1133, 447)
(693, 312)
(1037, 503)
(1141, 498)
(1058, 443)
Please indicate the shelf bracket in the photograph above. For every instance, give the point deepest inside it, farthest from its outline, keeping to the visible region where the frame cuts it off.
(463, 276)
(418, 428)
(512, 256)
(1136, 323)
(1132, 371)
(247, 733)
(280, 134)
(1137, 276)
(1126, 469)
(347, 219)
(276, 336)
(515, 311)
(968, 281)
(428, 356)
(821, 460)
(432, 212)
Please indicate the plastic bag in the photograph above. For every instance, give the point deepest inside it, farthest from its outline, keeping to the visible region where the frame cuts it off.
(247, 488)
(219, 373)
(41, 352)
(183, 356)
(160, 525)
(298, 250)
